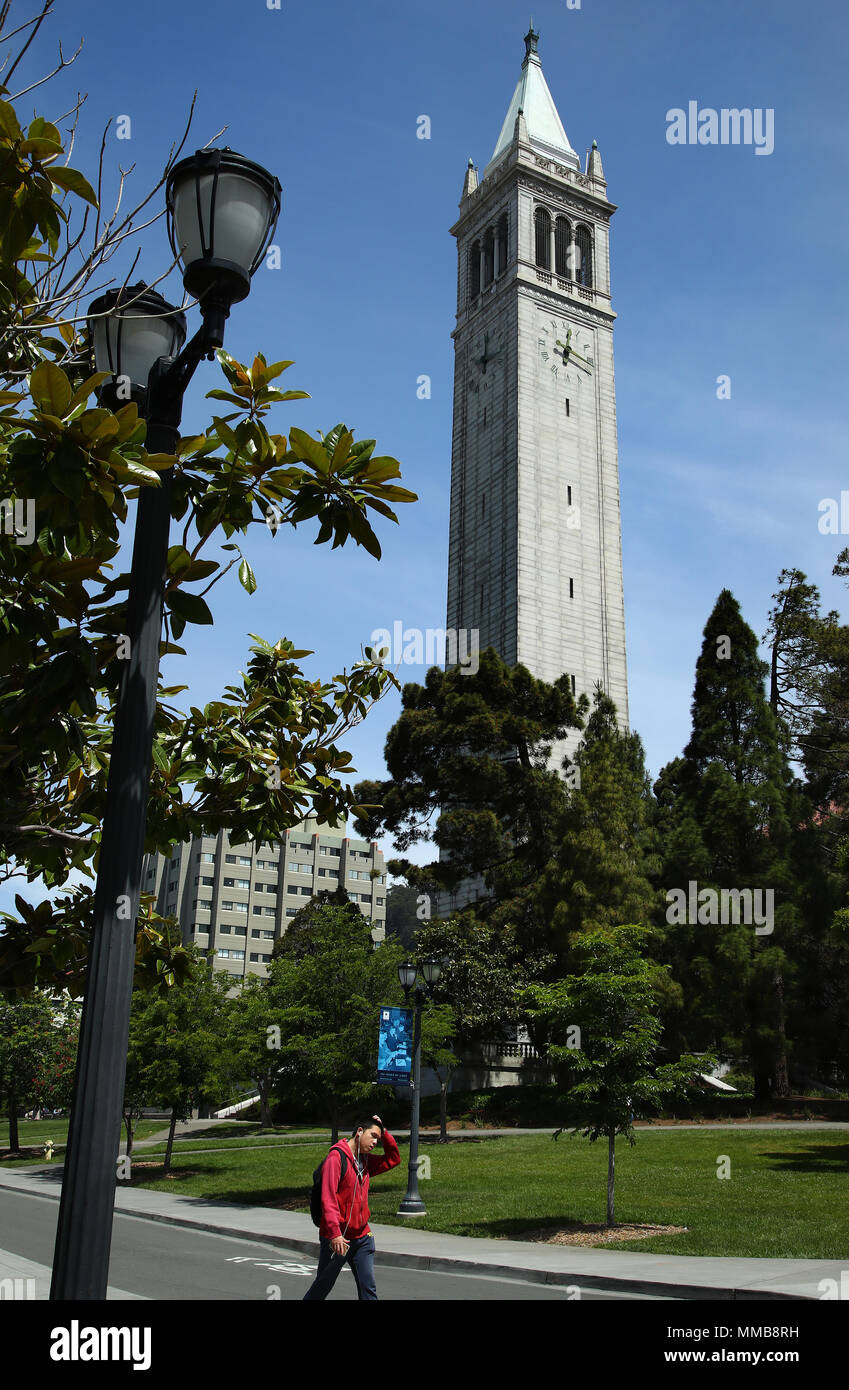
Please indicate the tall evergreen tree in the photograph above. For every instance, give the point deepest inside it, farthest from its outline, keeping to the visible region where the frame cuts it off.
(726, 825)
(605, 864)
(467, 770)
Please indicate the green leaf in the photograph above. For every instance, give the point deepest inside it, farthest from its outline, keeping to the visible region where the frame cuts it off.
(50, 388)
(9, 128)
(191, 607)
(74, 182)
(42, 149)
(225, 434)
(160, 757)
(312, 450)
(83, 392)
(247, 578)
(275, 369)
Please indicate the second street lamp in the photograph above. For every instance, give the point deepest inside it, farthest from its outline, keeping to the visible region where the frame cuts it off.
(412, 1204)
(138, 337)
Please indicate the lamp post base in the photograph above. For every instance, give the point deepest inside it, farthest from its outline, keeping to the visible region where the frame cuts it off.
(412, 1206)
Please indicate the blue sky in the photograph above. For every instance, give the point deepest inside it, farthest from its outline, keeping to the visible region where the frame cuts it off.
(723, 262)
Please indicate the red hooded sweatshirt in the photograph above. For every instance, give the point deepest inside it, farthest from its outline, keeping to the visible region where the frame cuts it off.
(344, 1206)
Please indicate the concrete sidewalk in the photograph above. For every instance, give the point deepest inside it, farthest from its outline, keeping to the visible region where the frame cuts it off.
(672, 1276)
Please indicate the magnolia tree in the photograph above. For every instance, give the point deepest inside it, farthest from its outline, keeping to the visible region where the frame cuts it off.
(268, 751)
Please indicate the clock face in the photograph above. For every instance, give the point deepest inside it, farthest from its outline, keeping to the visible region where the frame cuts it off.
(553, 335)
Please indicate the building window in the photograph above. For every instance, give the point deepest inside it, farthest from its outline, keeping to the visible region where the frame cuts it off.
(474, 270)
(572, 678)
(237, 955)
(583, 257)
(328, 873)
(569, 496)
(300, 868)
(571, 588)
(207, 858)
(225, 955)
(542, 238)
(568, 411)
(501, 246)
(291, 912)
(329, 849)
(379, 902)
(488, 258)
(562, 239)
(237, 883)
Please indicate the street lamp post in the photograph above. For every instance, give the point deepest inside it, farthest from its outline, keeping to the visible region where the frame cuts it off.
(222, 210)
(412, 1204)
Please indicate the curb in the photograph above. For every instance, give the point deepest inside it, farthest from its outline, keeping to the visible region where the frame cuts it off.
(446, 1264)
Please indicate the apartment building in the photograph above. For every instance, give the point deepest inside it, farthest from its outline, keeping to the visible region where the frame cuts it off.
(238, 900)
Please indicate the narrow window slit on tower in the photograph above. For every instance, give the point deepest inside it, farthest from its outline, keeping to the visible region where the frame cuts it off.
(571, 588)
(572, 678)
(568, 412)
(569, 496)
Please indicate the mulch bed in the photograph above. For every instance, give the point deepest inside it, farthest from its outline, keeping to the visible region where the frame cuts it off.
(582, 1233)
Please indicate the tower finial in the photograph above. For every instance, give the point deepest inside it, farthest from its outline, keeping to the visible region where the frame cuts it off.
(531, 41)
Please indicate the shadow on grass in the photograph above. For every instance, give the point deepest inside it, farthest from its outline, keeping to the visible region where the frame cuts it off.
(282, 1198)
(814, 1158)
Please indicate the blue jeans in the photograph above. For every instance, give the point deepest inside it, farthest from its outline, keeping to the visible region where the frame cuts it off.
(360, 1257)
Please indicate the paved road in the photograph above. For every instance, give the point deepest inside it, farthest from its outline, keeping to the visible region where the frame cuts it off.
(153, 1260)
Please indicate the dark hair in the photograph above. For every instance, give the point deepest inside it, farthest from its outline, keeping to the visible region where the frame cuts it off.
(370, 1123)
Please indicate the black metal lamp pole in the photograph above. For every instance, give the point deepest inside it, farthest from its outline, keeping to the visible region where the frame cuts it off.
(412, 1204)
(81, 1259)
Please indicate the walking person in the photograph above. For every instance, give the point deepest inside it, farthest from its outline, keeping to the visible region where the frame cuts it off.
(344, 1230)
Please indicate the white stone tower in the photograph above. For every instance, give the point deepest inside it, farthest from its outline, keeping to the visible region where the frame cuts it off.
(535, 552)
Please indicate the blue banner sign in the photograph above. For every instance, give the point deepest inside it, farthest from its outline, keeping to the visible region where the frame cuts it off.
(395, 1044)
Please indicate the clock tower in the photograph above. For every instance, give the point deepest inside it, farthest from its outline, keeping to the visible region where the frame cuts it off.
(535, 554)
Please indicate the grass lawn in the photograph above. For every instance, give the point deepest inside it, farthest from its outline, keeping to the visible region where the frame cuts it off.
(212, 1139)
(787, 1196)
(38, 1131)
(35, 1132)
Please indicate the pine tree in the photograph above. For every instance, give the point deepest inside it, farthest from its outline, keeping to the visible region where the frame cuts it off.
(726, 825)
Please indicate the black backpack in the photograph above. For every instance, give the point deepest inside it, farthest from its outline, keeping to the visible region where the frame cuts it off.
(315, 1195)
